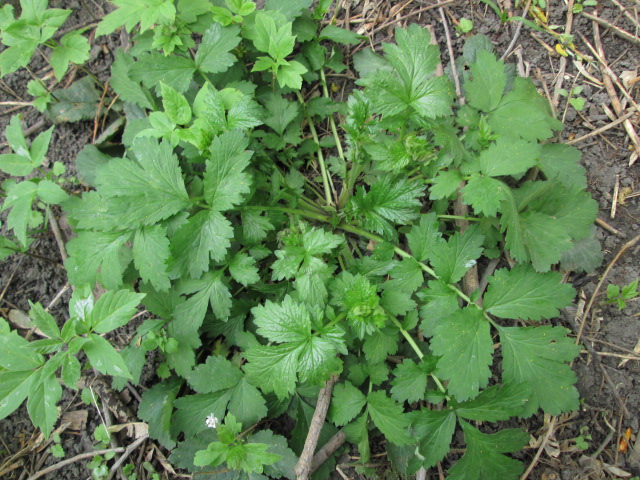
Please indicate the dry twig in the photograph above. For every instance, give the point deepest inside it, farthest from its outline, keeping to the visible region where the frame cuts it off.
(617, 30)
(624, 248)
(327, 450)
(303, 467)
(543, 444)
(71, 460)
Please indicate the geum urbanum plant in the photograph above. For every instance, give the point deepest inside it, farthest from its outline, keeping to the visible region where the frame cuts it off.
(273, 255)
(35, 29)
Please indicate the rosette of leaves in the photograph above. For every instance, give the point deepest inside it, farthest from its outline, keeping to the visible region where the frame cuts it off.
(274, 255)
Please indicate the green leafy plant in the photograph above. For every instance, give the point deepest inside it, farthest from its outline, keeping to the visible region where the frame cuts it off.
(578, 7)
(27, 199)
(274, 250)
(56, 449)
(620, 296)
(574, 98)
(35, 29)
(465, 26)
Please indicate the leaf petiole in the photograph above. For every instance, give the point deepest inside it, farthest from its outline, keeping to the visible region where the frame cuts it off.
(328, 185)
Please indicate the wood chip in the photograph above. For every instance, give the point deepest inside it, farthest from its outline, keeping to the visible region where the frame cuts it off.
(77, 420)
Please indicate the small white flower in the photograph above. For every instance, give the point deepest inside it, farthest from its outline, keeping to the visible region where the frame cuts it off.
(212, 421)
(470, 264)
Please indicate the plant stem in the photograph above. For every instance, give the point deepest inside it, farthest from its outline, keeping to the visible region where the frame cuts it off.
(458, 217)
(332, 122)
(376, 238)
(292, 211)
(416, 349)
(323, 168)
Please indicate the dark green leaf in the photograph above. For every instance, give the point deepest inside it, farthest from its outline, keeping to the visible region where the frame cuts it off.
(463, 341)
(434, 430)
(523, 293)
(156, 409)
(483, 457)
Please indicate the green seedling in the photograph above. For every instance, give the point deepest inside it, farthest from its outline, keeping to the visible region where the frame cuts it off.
(620, 296)
(574, 98)
(465, 26)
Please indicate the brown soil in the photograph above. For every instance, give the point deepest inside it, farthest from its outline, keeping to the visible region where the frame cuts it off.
(609, 405)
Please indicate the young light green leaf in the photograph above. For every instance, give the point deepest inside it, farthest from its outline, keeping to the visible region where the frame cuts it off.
(289, 74)
(243, 269)
(15, 137)
(19, 198)
(44, 320)
(14, 388)
(44, 396)
(538, 356)
(309, 357)
(270, 38)
(346, 404)
(73, 48)
(130, 12)
(71, 372)
(114, 309)
(225, 182)
(205, 236)
(463, 341)
(484, 455)
(388, 416)
(488, 81)
(434, 430)
(524, 293)
(15, 354)
(104, 358)
(50, 192)
(213, 52)
(24, 159)
(358, 296)
(175, 105)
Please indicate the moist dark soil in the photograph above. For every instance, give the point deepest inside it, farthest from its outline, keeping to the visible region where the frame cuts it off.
(585, 444)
